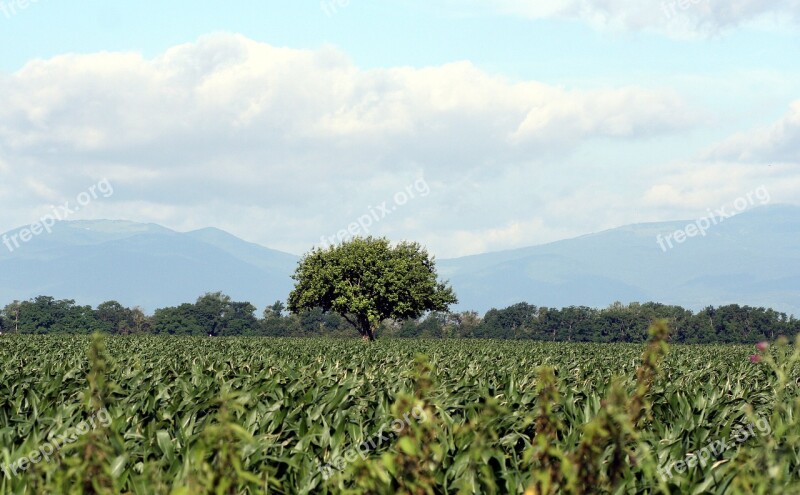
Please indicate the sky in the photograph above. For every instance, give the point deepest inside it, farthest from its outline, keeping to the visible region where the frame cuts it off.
(468, 126)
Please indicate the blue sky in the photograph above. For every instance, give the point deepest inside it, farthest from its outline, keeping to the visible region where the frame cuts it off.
(396, 33)
(283, 122)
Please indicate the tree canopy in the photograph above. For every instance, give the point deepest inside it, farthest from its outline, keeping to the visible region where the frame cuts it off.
(367, 280)
(216, 314)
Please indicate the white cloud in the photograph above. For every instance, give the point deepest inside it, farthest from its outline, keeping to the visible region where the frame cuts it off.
(514, 233)
(615, 113)
(779, 143)
(282, 146)
(676, 17)
(228, 90)
(767, 157)
(697, 186)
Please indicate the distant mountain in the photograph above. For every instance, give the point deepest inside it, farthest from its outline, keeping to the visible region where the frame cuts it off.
(752, 258)
(142, 264)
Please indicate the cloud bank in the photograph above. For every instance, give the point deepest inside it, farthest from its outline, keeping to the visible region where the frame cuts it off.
(283, 146)
(681, 18)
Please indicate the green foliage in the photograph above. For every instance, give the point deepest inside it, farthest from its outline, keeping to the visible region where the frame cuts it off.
(254, 415)
(367, 281)
(630, 323)
(47, 315)
(179, 320)
(217, 315)
(116, 318)
(213, 314)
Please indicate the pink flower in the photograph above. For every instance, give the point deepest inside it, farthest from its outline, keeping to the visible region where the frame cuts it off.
(755, 358)
(762, 346)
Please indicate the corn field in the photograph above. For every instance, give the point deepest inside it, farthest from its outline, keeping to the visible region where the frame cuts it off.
(150, 415)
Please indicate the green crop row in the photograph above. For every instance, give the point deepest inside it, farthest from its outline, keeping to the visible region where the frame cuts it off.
(251, 415)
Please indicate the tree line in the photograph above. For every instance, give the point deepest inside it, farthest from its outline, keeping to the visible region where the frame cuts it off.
(217, 315)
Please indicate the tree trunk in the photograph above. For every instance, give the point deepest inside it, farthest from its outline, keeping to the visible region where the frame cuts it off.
(366, 330)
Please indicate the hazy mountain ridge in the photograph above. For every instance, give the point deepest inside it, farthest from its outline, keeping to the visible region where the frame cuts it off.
(752, 258)
(152, 267)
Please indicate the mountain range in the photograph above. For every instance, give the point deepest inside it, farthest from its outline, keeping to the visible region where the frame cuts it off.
(752, 258)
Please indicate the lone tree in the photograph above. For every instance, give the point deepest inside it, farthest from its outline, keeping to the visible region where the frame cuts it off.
(367, 281)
